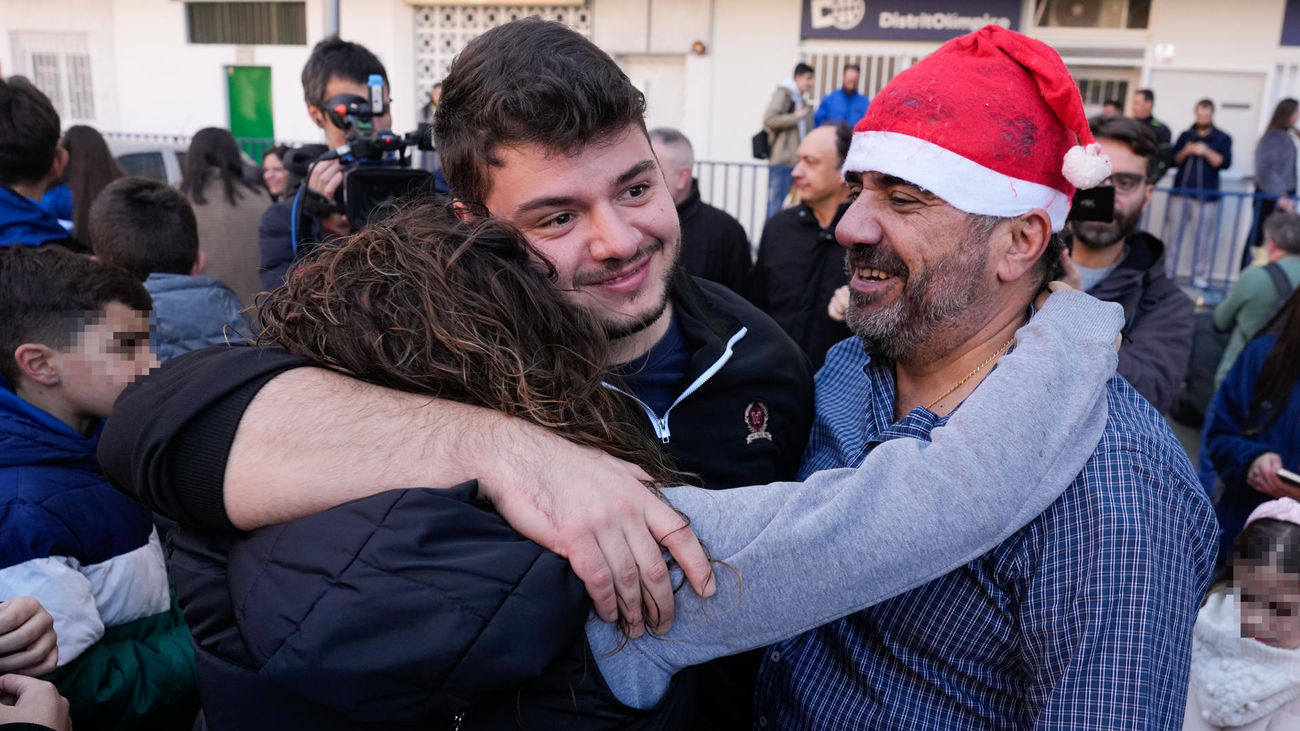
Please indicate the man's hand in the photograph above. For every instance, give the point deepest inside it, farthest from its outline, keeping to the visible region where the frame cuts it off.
(27, 642)
(1262, 476)
(1071, 276)
(803, 111)
(28, 700)
(839, 304)
(1286, 204)
(325, 179)
(595, 511)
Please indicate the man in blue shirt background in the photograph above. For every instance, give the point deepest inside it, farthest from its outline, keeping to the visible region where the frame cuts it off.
(844, 104)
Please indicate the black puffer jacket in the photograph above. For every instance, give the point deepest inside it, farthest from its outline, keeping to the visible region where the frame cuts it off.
(1157, 320)
(407, 609)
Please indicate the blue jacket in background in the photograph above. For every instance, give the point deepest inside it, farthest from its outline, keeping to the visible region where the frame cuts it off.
(840, 107)
(1232, 451)
(58, 201)
(1196, 173)
(24, 222)
(192, 312)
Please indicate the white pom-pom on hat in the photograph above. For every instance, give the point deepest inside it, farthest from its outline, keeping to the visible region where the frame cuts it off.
(1086, 167)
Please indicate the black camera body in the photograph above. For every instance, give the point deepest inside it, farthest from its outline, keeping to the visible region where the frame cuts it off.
(377, 164)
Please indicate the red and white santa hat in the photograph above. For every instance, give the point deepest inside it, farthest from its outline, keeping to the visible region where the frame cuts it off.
(990, 122)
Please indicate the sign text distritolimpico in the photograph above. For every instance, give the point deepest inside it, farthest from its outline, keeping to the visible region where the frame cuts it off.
(936, 20)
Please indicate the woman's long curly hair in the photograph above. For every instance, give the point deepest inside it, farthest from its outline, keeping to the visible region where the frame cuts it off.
(426, 303)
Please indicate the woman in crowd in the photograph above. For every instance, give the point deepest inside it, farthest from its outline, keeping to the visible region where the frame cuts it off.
(91, 167)
(1253, 426)
(228, 209)
(1246, 648)
(1275, 169)
(274, 174)
(416, 607)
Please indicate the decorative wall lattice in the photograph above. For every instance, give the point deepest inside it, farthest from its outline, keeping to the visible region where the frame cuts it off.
(442, 31)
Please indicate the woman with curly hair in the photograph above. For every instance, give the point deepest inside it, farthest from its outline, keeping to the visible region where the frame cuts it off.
(416, 607)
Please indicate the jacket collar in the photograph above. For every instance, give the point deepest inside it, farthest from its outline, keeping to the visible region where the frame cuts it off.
(1144, 262)
(706, 328)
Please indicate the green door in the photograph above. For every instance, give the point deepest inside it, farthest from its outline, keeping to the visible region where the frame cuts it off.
(249, 92)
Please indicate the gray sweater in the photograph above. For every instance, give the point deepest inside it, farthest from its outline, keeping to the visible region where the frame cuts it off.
(799, 555)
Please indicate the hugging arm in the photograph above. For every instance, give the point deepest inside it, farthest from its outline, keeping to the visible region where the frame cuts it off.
(239, 438)
(804, 554)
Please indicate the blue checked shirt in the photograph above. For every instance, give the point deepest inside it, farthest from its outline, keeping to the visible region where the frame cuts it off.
(1081, 620)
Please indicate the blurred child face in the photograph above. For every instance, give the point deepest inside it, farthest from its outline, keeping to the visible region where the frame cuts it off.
(110, 351)
(1270, 605)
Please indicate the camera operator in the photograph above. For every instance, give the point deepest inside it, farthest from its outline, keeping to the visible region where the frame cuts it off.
(335, 67)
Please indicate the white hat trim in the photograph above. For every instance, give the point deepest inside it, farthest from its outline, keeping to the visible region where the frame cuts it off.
(961, 182)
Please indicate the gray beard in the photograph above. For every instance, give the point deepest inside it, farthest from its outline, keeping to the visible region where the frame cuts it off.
(901, 331)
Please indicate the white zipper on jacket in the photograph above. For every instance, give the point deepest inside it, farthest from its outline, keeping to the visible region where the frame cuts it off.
(660, 423)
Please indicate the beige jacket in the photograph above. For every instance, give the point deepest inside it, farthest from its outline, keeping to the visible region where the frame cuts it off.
(228, 236)
(782, 126)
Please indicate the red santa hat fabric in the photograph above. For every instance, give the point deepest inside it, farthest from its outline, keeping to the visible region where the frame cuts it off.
(991, 122)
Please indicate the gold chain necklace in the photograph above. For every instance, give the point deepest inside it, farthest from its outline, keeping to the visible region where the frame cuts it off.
(971, 375)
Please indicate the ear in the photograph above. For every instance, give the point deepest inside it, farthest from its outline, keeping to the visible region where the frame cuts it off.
(1146, 201)
(684, 176)
(1023, 245)
(200, 263)
(39, 363)
(316, 115)
(462, 211)
(60, 162)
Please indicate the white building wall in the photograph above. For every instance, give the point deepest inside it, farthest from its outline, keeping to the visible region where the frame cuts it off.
(147, 78)
(93, 19)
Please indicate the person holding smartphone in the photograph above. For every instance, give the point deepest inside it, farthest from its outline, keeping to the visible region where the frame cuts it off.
(1253, 426)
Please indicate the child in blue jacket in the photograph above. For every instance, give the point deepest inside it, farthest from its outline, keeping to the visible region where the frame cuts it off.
(73, 333)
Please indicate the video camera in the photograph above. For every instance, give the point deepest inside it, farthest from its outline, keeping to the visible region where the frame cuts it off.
(377, 162)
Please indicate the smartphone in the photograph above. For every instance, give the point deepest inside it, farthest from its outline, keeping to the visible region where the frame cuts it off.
(1288, 476)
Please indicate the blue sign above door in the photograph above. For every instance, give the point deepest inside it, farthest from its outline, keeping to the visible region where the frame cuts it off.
(905, 20)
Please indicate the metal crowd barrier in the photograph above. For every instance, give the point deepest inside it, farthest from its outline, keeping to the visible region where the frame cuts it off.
(1214, 235)
(1213, 232)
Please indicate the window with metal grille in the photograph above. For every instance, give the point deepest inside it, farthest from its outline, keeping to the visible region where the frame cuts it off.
(443, 31)
(875, 70)
(1092, 13)
(248, 23)
(1100, 91)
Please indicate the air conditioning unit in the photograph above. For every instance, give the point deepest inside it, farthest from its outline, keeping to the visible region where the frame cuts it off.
(1085, 13)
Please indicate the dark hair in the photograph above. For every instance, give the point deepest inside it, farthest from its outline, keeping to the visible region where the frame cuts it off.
(46, 292)
(213, 148)
(802, 68)
(851, 67)
(1118, 104)
(1137, 136)
(279, 151)
(1280, 373)
(144, 226)
(1268, 541)
(843, 138)
(1283, 228)
(527, 82)
(1282, 114)
(1206, 103)
(29, 132)
(91, 167)
(332, 58)
(1147, 94)
(423, 302)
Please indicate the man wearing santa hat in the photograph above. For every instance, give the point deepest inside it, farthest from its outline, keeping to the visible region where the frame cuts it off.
(963, 172)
